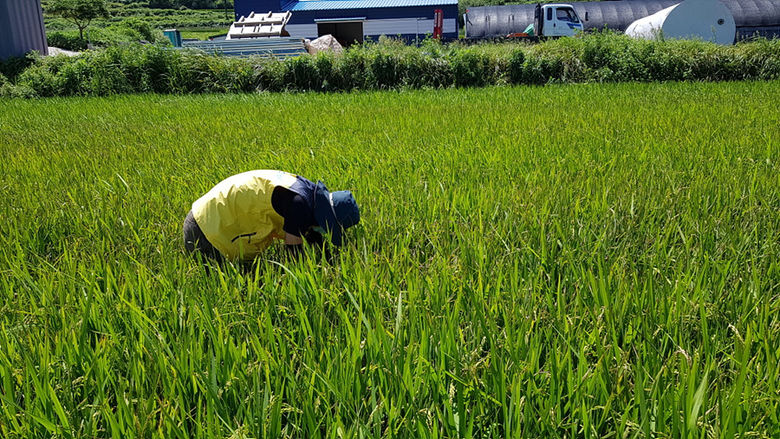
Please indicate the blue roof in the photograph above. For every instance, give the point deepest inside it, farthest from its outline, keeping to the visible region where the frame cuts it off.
(324, 5)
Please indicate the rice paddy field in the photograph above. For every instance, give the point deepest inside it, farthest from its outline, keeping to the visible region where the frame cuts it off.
(577, 261)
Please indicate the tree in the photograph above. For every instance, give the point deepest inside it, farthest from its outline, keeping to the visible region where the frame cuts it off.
(80, 12)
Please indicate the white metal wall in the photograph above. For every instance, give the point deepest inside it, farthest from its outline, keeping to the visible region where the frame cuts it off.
(389, 27)
(405, 26)
(21, 28)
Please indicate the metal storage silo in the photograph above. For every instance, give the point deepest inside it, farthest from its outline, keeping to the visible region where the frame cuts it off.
(21, 28)
(707, 20)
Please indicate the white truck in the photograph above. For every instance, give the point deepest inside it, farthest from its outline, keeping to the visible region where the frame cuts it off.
(552, 20)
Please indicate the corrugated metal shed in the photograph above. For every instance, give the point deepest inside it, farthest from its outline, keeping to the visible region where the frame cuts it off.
(750, 16)
(21, 28)
(325, 5)
(353, 21)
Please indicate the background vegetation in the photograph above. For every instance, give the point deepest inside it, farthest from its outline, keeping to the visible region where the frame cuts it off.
(393, 65)
(195, 18)
(134, 21)
(566, 261)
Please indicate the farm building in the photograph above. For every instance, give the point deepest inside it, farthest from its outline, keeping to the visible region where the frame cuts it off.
(21, 28)
(356, 20)
(751, 17)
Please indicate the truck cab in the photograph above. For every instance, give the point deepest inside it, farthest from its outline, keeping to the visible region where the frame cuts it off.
(556, 20)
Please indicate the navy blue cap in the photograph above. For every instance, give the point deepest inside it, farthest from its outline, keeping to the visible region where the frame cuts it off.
(335, 211)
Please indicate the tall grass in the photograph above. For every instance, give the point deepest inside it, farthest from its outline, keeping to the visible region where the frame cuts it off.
(390, 64)
(566, 261)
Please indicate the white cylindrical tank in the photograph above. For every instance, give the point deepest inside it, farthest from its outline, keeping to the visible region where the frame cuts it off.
(707, 20)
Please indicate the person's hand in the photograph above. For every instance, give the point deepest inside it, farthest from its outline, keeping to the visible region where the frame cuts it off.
(292, 239)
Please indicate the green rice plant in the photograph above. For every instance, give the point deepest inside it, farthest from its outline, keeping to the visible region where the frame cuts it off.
(605, 265)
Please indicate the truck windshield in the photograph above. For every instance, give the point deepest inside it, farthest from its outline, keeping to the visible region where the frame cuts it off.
(566, 14)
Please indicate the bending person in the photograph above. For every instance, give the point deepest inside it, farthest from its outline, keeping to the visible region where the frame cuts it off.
(242, 215)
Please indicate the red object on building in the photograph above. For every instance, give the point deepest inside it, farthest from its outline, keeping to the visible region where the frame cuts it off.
(438, 23)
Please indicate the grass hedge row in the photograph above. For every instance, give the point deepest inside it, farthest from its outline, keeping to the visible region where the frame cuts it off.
(392, 65)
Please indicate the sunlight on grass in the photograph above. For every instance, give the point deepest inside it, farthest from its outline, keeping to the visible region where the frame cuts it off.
(559, 261)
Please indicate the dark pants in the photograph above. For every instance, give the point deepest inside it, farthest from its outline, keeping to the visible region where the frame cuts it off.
(194, 239)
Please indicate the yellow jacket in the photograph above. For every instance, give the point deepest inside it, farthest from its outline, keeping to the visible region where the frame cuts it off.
(236, 215)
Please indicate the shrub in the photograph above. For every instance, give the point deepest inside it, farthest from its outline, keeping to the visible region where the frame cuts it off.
(427, 71)
(67, 41)
(269, 74)
(129, 30)
(614, 57)
(516, 61)
(135, 70)
(470, 68)
(12, 67)
(759, 59)
(190, 74)
(389, 65)
(73, 78)
(40, 80)
(324, 62)
(301, 73)
(540, 70)
(385, 70)
(106, 72)
(157, 64)
(351, 72)
(560, 60)
(137, 29)
(9, 90)
(198, 73)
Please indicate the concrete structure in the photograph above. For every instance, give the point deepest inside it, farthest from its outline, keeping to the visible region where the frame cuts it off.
(751, 17)
(356, 20)
(21, 28)
(706, 20)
